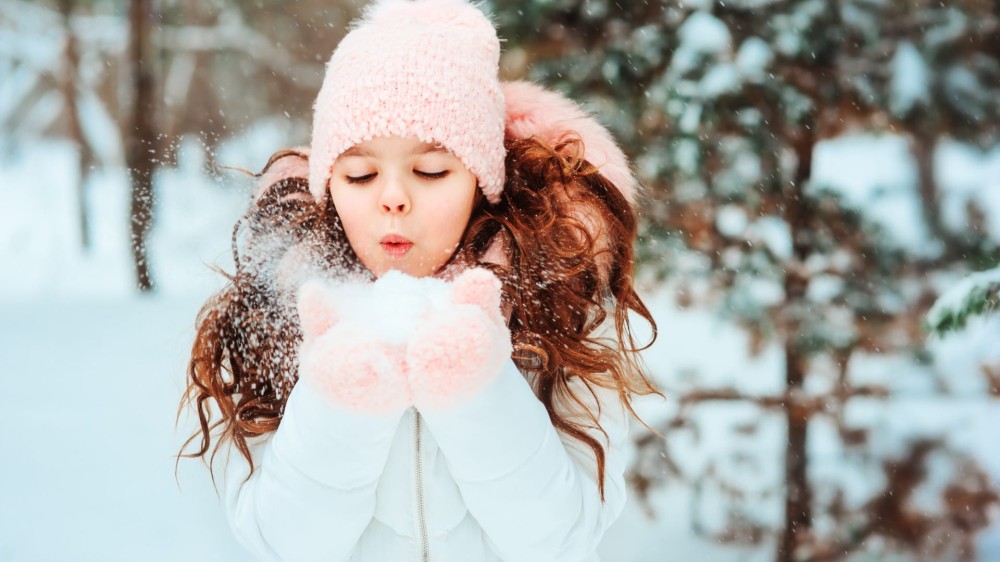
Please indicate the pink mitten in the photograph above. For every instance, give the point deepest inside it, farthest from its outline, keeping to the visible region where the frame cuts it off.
(350, 366)
(461, 349)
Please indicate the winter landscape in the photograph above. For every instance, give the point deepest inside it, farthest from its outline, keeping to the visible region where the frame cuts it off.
(899, 204)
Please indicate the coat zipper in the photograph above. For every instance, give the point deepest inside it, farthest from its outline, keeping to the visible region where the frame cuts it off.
(421, 519)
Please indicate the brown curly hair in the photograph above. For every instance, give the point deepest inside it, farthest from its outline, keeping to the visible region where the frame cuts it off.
(568, 262)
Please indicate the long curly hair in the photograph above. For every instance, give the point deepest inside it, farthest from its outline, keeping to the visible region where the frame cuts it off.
(565, 234)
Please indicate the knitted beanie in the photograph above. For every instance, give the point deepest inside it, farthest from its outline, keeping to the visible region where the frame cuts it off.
(426, 69)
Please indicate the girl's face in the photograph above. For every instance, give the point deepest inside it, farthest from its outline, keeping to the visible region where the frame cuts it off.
(404, 204)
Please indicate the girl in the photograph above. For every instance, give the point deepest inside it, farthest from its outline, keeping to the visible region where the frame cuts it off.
(494, 431)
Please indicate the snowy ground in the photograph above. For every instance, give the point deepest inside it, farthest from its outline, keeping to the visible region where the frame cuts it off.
(91, 373)
(90, 394)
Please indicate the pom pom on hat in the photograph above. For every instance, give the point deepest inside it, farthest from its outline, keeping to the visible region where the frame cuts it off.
(426, 69)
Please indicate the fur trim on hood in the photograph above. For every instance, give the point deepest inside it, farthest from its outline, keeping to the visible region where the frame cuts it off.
(535, 111)
(293, 165)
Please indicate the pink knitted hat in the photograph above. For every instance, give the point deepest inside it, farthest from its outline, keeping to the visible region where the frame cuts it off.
(426, 69)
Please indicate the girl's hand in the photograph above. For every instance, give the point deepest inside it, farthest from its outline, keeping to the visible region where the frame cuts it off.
(349, 365)
(459, 350)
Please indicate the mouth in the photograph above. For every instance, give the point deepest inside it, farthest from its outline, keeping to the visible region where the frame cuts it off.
(395, 246)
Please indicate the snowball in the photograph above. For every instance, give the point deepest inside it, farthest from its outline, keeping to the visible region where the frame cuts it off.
(393, 305)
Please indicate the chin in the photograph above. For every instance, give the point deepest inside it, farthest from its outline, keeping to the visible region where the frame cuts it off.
(413, 266)
(411, 270)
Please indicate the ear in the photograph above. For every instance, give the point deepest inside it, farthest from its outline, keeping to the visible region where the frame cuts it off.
(318, 310)
(478, 287)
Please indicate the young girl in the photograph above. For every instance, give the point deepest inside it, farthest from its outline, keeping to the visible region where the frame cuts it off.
(494, 430)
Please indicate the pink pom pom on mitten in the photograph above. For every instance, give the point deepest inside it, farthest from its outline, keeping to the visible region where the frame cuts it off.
(351, 367)
(461, 349)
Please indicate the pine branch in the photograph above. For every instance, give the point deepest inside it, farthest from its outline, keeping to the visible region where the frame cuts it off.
(978, 294)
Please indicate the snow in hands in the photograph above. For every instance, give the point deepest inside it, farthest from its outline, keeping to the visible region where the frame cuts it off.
(380, 347)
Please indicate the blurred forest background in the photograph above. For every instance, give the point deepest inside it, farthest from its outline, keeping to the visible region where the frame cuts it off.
(817, 174)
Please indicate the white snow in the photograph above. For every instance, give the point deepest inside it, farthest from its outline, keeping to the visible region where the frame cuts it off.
(400, 301)
(696, 4)
(877, 174)
(90, 391)
(95, 435)
(754, 57)
(701, 34)
(970, 96)
(775, 234)
(691, 119)
(823, 288)
(969, 176)
(32, 39)
(100, 130)
(687, 154)
(721, 79)
(40, 240)
(770, 232)
(92, 373)
(704, 33)
(910, 84)
(959, 297)
(731, 220)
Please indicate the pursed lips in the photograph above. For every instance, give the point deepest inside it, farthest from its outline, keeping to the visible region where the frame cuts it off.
(395, 245)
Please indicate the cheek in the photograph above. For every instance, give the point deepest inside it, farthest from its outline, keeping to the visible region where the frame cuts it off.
(351, 212)
(454, 215)
(453, 224)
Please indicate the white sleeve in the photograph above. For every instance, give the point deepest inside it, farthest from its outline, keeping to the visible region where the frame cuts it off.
(312, 492)
(535, 496)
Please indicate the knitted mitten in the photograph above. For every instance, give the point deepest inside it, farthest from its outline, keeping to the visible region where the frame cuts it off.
(349, 365)
(460, 348)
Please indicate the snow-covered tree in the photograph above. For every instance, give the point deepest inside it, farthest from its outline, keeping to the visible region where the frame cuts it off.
(723, 106)
(977, 294)
(210, 70)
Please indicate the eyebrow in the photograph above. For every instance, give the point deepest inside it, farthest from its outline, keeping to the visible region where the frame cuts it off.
(356, 151)
(429, 148)
(426, 149)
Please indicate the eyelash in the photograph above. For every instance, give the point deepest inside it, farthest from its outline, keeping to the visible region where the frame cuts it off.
(368, 177)
(359, 179)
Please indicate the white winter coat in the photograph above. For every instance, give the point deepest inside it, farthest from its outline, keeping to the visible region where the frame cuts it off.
(490, 480)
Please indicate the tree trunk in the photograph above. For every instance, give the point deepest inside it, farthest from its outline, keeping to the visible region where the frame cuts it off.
(922, 145)
(140, 140)
(798, 493)
(68, 84)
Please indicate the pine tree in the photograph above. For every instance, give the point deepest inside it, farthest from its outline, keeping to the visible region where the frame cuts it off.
(977, 294)
(722, 105)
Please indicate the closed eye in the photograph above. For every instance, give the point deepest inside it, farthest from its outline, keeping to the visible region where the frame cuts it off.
(360, 179)
(432, 175)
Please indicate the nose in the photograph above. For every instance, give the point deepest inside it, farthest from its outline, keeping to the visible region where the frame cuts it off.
(394, 198)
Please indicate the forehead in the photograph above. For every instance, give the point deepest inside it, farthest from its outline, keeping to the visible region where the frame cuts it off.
(393, 146)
